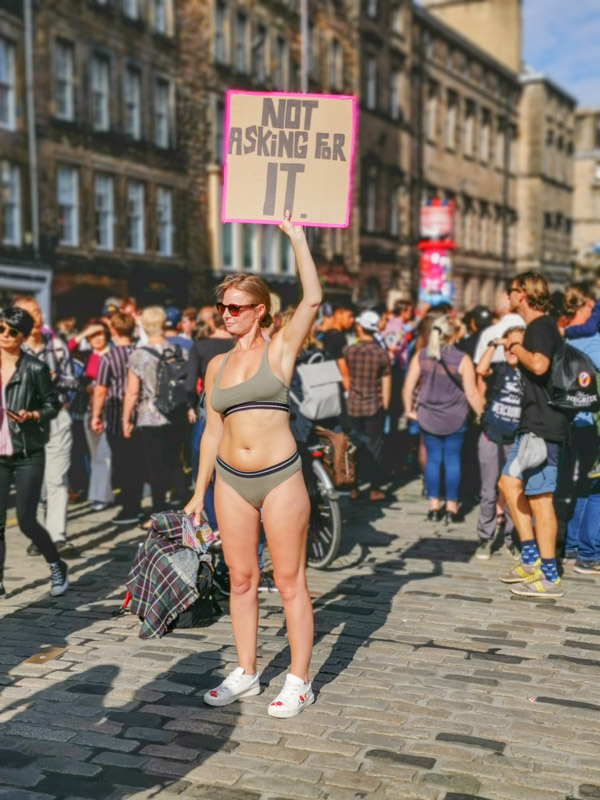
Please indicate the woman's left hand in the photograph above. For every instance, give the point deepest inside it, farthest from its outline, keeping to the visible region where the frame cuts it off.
(24, 416)
(295, 232)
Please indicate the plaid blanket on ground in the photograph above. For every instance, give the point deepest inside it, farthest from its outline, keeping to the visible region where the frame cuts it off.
(163, 578)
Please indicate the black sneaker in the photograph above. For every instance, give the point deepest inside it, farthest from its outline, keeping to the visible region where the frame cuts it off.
(59, 579)
(65, 548)
(221, 581)
(266, 583)
(435, 515)
(32, 550)
(2, 590)
(125, 519)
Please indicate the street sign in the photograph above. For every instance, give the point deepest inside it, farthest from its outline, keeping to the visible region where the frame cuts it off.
(288, 151)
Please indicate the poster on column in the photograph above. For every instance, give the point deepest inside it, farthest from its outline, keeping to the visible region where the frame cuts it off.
(288, 151)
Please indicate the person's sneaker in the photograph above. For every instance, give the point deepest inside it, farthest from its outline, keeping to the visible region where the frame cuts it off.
(595, 470)
(538, 586)
(97, 506)
(32, 550)
(125, 519)
(221, 581)
(266, 583)
(235, 686)
(65, 548)
(59, 578)
(522, 572)
(570, 557)
(292, 699)
(587, 567)
(435, 515)
(484, 551)
(2, 589)
(511, 549)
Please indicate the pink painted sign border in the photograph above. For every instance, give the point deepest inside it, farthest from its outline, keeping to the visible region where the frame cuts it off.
(346, 97)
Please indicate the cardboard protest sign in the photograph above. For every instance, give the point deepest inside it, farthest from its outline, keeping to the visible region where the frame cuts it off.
(288, 151)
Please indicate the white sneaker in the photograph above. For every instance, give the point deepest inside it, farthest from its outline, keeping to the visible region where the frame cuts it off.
(235, 686)
(294, 696)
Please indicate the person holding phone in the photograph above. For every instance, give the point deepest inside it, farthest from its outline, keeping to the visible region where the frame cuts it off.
(259, 469)
(28, 401)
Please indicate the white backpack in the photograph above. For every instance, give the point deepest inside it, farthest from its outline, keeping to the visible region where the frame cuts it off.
(321, 389)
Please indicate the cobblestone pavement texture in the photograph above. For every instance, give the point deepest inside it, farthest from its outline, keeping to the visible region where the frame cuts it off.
(433, 681)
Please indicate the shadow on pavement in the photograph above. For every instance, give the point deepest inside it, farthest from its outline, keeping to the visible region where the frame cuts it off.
(75, 740)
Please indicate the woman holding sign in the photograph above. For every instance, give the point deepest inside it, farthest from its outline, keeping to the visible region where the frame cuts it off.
(258, 470)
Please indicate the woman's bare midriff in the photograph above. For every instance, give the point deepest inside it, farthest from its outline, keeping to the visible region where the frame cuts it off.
(256, 439)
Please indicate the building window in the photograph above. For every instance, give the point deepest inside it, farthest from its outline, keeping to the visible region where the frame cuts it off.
(397, 21)
(163, 16)
(395, 211)
(130, 9)
(313, 50)
(597, 132)
(268, 254)
(67, 181)
(469, 144)
(395, 94)
(258, 54)
(451, 122)
(227, 245)
(248, 233)
(164, 220)
(372, 9)
(7, 85)
(484, 137)
(220, 32)
(135, 216)
(500, 143)
(64, 74)
(11, 205)
(100, 92)
(241, 35)
(133, 103)
(431, 111)
(279, 78)
(371, 204)
(335, 65)
(162, 115)
(219, 126)
(104, 210)
(371, 82)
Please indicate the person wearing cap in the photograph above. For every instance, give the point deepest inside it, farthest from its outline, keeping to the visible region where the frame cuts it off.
(369, 394)
(476, 322)
(171, 329)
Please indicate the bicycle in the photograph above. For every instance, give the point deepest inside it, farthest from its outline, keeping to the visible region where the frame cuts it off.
(325, 521)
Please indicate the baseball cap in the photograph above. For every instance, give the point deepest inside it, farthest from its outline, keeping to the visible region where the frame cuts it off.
(173, 317)
(481, 316)
(368, 321)
(111, 306)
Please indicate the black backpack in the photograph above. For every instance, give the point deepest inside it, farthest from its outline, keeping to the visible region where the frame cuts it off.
(573, 385)
(171, 374)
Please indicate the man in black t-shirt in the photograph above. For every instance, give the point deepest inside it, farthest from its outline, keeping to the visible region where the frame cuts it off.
(334, 340)
(528, 489)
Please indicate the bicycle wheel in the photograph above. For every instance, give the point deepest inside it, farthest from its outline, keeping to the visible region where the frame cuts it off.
(325, 522)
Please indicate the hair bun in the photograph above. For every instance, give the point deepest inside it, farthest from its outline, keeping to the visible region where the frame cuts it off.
(266, 321)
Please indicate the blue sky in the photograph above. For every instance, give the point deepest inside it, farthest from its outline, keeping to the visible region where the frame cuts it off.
(562, 39)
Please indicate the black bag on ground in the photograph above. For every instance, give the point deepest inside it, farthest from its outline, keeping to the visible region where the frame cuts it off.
(205, 610)
(171, 374)
(573, 384)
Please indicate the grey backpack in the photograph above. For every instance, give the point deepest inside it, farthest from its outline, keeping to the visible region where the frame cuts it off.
(320, 388)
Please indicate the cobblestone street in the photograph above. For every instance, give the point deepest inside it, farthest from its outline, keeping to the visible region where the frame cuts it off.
(433, 682)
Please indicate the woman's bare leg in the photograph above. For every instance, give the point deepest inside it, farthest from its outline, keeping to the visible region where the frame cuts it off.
(239, 525)
(285, 515)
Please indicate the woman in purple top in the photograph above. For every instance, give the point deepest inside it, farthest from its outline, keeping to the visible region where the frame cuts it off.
(447, 389)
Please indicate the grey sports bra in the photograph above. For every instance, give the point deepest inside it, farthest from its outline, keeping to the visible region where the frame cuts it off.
(261, 390)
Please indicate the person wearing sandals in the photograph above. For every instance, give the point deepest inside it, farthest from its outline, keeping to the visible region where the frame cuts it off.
(248, 441)
(28, 402)
(447, 389)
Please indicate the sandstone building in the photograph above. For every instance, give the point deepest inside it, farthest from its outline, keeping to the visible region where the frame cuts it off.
(586, 200)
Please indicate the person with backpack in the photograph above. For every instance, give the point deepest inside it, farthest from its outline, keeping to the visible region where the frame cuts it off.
(529, 476)
(578, 308)
(156, 386)
(499, 423)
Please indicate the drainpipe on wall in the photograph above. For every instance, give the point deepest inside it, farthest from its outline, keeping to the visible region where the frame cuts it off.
(31, 134)
(304, 45)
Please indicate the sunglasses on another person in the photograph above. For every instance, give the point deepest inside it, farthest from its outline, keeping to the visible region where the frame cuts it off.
(234, 309)
(12, 332)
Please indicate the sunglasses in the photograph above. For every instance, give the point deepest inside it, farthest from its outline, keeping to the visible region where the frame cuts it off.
(12, 332)
(233, 309)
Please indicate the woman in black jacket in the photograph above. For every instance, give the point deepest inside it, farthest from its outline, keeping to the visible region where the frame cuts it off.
(28, 401)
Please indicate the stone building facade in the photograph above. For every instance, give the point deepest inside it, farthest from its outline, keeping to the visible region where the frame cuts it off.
(111, 124)
(586, 199)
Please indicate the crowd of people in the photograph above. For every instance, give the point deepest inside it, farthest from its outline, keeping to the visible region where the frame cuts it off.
(98, 412)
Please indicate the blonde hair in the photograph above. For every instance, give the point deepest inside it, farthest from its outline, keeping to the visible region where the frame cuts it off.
(576, 297)
(253, 286)
(442, 332)
(153, 320)
(535, 288)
